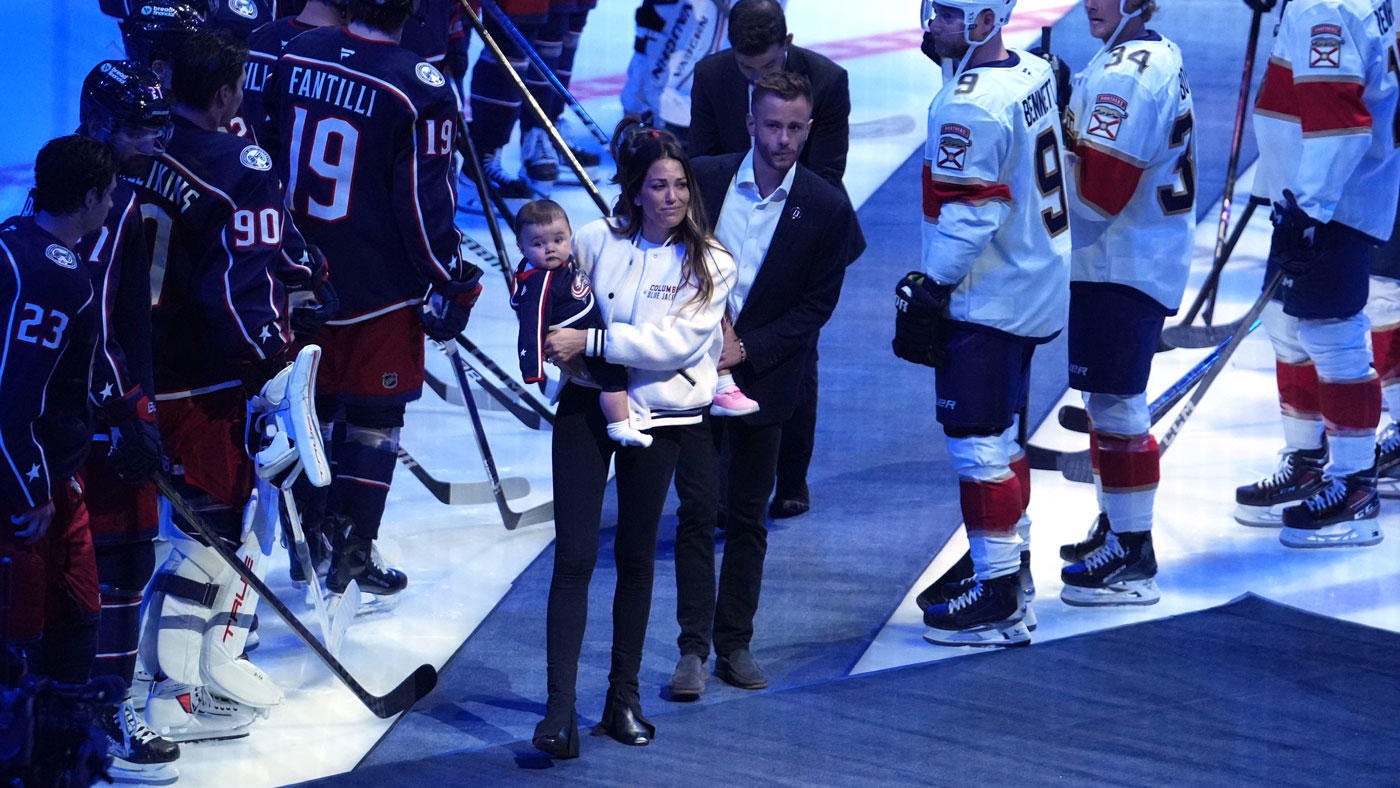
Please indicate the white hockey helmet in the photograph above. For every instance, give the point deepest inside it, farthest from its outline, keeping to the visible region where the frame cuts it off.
(971, 10)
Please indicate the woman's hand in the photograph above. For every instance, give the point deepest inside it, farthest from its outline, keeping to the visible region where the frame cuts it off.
(563, 347)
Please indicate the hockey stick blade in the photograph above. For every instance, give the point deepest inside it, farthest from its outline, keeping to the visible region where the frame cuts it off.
(408, 692)
(509, 518)
(1073, 418)
(1200, 336)
(450, 395)
(1043, 459)
(462, 493)
(1076, 419)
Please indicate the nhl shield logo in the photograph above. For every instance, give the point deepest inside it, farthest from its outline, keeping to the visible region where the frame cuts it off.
(390, 380)
(255, 158)
(953, 142)
(61, 256)
(429, 75)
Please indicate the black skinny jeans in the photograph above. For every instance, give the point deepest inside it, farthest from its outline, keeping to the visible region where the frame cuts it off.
(581, 453)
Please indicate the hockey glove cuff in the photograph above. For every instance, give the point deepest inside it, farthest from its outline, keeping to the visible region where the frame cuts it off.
(311, 309)
(449, 305)
(921, 307)
(1294, 236)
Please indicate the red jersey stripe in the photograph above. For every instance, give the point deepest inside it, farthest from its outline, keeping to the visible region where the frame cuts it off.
(1330, 107)
(940, 193)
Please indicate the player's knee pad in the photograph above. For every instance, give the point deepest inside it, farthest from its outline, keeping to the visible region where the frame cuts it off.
(1283, 334)
(1119, 414)
(1383, 301)
(982, 458)
(1338, 347)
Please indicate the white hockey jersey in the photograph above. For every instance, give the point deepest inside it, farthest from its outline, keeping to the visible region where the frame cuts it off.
(996, 220)
(1132, 157)
(1325, 117)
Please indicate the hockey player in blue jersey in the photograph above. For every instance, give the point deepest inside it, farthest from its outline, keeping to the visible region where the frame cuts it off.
(123, 105)
(366, 132)
(220, 231)
(265, 45)
(47, 343)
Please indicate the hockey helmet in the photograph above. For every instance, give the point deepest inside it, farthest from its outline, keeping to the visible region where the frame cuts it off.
(119, 93)
(241, 17)
(155, 27)
(971, 10)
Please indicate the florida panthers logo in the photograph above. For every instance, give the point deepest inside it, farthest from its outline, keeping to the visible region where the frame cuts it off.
(953, 142)
(1107, 119)
(581, 287)
(1326, 48)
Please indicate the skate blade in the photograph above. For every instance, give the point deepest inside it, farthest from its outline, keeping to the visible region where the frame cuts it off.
(1261, 516)
(197, 736)
(1003, 634)
(1362, 534)
(149, 774)
(1028, 617)
(1388, 488)
(1128, 592)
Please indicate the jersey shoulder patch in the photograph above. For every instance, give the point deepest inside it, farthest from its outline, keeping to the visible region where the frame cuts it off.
(255, 158)
(1107, 117)
(428, 75)
(953, 141)
(61, 256)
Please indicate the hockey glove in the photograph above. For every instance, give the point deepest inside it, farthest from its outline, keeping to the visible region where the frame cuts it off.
(311, 309)
(1294, 236)
(449, 305)
(921, 307)
(135, 452)
(1262, 6)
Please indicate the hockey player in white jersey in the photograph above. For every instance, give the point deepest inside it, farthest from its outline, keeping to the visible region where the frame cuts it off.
(994, 284)
(1130, 157)
(672, 36)
(1325, 120)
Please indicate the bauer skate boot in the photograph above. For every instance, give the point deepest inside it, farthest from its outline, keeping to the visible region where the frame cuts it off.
(986, 613)
(1119, 572)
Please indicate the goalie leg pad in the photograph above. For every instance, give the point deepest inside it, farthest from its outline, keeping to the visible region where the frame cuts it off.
(285, 432)
(221, 666)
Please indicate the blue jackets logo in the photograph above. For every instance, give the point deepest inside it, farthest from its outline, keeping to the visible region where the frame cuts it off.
(61, 256)
(255, 158)
(429, 75)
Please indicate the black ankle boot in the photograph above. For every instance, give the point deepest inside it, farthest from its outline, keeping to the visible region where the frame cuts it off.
(623, 721)
(555, 740)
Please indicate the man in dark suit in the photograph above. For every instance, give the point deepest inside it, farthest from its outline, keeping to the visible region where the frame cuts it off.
(760, 44)
(719, 103)
(792, 235)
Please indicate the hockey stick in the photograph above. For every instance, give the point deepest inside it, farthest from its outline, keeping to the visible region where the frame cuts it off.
(1189, 336)
(1077, 467)
(535, 107)
(1076, 419)
(308, 567)
(449, 393)
(507, 25)
(511, 519)
(479, 356)
(409, 691)
(1208, 290)
(486, 194)
(459, 493)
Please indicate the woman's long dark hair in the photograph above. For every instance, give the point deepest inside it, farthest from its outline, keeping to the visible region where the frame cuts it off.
(635, 148)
